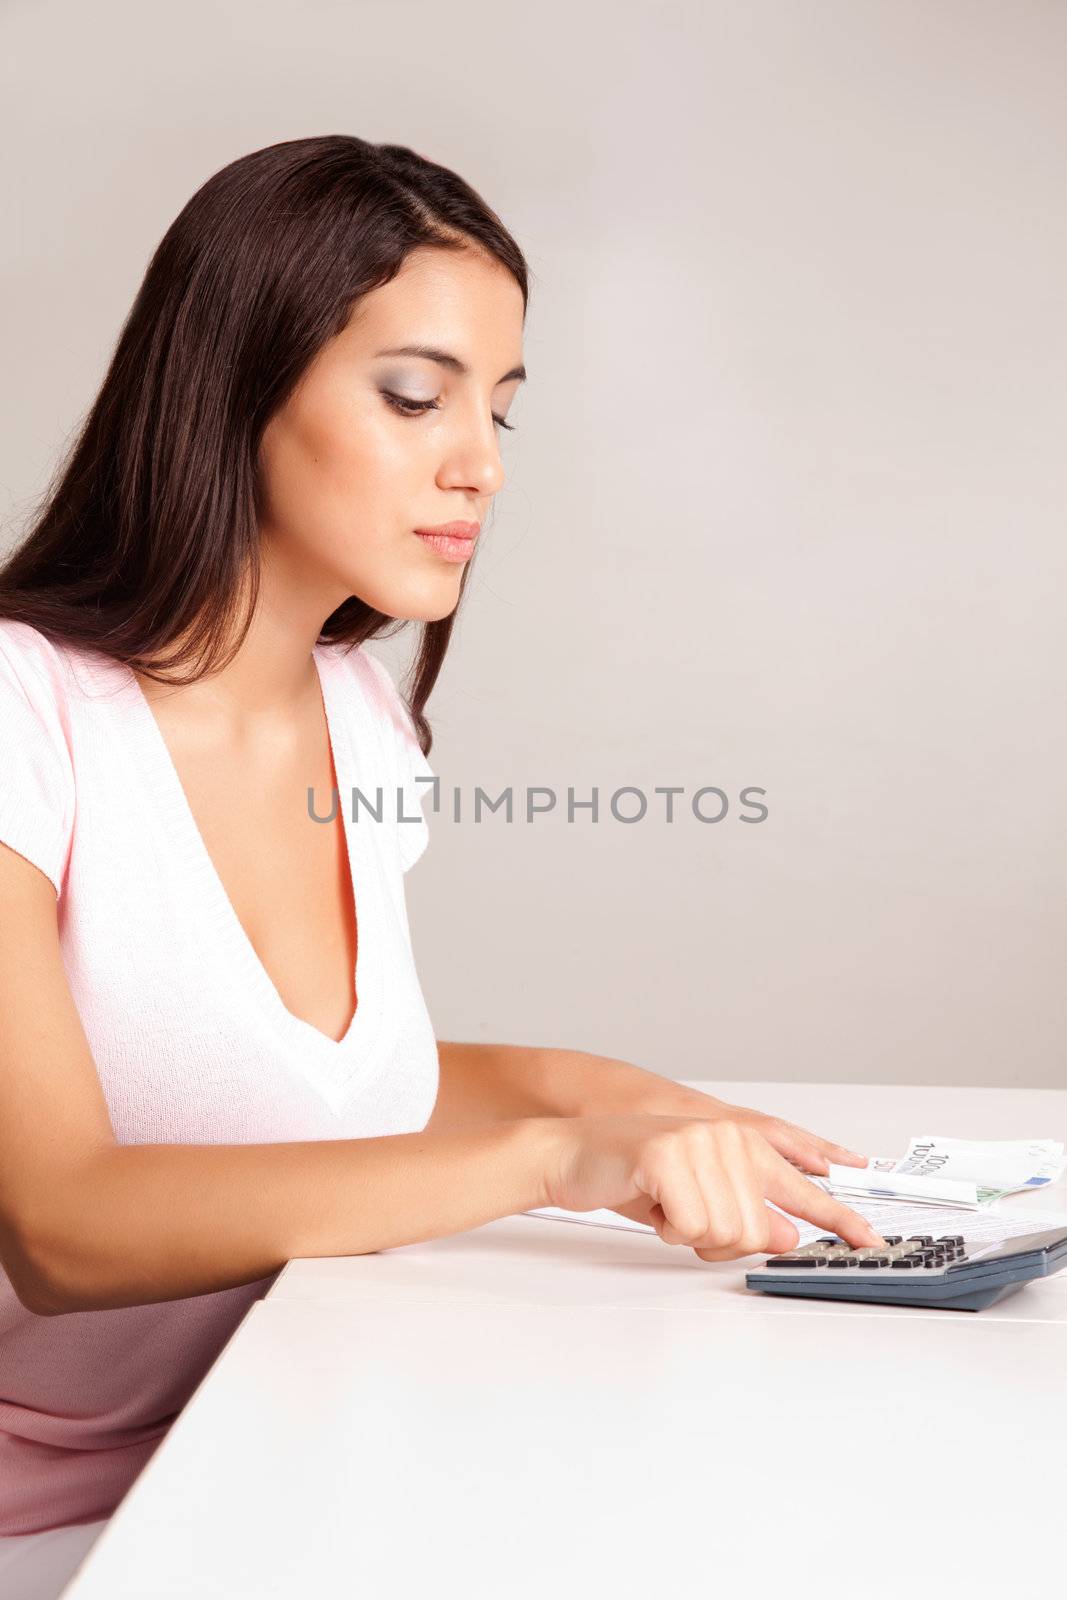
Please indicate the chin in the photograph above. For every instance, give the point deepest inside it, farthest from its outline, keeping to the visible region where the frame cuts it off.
(422, 602)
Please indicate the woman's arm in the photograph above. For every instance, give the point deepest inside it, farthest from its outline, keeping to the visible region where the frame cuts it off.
(491, 1082)
(88, 1224)
(141, 1223)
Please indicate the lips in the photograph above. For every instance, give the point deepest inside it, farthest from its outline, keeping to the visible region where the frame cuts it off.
(452, 545)
(455, 530)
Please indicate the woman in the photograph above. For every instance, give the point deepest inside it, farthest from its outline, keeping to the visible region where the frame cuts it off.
(214, 1050)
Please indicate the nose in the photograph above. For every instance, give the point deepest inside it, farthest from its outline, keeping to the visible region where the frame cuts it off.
(473, 461)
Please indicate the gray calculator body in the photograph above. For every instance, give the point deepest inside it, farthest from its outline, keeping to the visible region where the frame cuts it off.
(960, 1277)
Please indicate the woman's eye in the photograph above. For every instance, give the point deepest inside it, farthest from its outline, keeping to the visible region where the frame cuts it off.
(412, 408)
(408, 408)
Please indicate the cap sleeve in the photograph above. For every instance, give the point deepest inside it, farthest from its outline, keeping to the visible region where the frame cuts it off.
(36, 772)
(401, 740)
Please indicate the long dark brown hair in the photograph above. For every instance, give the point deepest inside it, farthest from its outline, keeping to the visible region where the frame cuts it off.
(147, 537)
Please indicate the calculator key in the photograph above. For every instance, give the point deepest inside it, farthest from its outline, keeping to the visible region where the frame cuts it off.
(893, 1238)
(794, 1261)
(876, 1261)
(919, 1238)
(842, 1261)
(905, 1261)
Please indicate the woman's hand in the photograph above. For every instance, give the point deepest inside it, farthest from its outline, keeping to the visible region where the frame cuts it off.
(619, 1087)
(809, 1152)
(698, 1181)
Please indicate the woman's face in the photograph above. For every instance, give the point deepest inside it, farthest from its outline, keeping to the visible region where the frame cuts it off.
(349, 470)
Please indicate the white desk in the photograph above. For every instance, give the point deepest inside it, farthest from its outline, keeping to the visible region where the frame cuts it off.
(542, 1409)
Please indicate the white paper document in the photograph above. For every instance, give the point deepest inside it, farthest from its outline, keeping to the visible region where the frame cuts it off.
(964, 1172)
(594, 1219)
(890, 1216)
(897, 1217)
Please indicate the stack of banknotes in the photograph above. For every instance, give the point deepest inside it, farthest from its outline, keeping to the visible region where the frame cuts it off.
(935, 1170)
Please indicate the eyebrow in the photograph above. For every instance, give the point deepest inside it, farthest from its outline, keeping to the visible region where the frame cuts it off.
(453, 363)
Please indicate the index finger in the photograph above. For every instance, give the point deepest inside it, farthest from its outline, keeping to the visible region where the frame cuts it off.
(800, 1198)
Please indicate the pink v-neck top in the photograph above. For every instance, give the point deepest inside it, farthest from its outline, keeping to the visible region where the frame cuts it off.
(190, 1038)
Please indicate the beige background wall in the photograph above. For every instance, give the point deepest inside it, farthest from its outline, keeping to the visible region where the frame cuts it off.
(786, 506)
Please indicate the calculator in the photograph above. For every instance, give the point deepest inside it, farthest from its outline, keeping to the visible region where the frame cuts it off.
(920, 1270)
